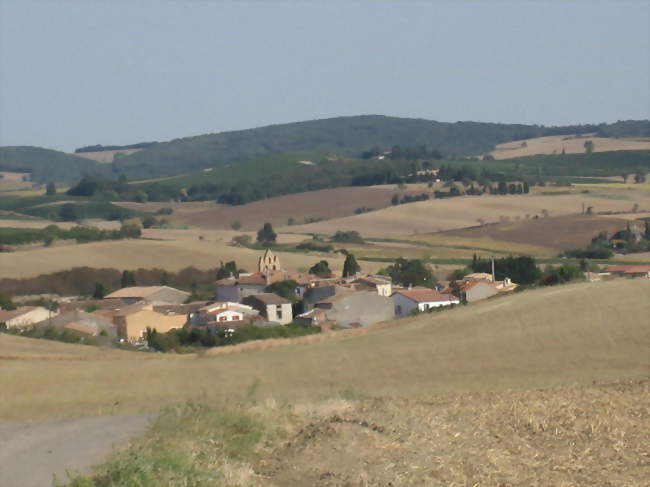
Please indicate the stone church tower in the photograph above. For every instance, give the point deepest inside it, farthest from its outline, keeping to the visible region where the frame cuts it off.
(269, 262)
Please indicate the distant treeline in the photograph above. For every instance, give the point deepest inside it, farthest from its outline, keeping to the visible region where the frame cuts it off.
(103, 148)
(81, 281)
(21, 236)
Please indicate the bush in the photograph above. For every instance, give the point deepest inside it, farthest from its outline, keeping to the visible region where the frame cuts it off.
(350, 236)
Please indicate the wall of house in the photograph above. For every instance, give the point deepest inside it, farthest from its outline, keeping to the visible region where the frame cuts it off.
(480, 291)
(133, 326)
(226, 316)
(284, 316)
(403, 305)
(362, 307)
(228, 293)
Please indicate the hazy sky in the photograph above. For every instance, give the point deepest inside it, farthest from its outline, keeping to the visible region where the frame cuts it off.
(75, 73)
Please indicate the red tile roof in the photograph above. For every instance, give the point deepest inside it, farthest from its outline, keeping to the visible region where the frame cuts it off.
(425, 295)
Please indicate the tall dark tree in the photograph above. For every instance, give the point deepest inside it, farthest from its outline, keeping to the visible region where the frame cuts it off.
(100, 291)
(50, 189)
(526, 188)
(350, 266)
(128, 279)
(647, 230)
(266, 235)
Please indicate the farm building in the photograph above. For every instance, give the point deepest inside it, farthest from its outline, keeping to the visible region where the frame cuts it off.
(355, 308)
(407, 301)
(150, 294)
(132, 321)
(24, 316)
(272, 307)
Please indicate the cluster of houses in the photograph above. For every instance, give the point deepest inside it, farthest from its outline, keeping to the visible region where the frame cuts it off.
(336, 302)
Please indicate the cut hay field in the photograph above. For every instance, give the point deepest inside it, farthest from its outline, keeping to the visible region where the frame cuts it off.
(555, 144)
(539, 237)
(453, 213)
(325, 204)
(170, 255)
(106, 156)
(571, 334)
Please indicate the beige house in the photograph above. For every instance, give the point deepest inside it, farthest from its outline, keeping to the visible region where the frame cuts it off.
(272, 307)
(132, 321)
(24, 316)
(150, 294)
(383, 287)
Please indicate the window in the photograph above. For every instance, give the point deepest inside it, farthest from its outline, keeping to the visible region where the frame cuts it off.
(223, 318)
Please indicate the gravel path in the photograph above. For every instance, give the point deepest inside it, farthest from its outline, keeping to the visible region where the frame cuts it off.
(32, 453)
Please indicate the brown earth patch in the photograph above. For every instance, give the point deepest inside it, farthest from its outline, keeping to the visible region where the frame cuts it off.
(557, 233)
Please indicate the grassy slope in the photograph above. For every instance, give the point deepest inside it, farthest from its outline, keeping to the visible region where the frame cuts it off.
(48, 165)
(573, 333)
(452, 213)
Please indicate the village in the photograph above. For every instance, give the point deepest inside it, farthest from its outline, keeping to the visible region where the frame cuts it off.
(128, 315)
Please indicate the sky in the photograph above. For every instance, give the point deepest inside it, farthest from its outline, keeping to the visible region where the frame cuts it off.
(75, 73)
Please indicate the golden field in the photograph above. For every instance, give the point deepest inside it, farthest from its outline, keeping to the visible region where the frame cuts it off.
(571, 334)
(570, 144)
(452, 213)
(171, 255)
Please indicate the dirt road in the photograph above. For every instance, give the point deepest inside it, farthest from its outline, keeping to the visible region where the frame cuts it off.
(33, 453)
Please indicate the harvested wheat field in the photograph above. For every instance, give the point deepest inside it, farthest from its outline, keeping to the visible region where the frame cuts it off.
(542, 236)
(571, 144)
(171, 255)
(447, 214)
(572, 334)
(322, 204)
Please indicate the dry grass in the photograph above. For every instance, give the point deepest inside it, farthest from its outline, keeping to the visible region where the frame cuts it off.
(548, 337)
(440, 215)
(105, 156)
(555, 143)
(326, 203)
(171, 255)
(594, 435)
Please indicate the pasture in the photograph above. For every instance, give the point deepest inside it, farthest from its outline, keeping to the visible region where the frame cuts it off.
(570, 144)
(171, 255)
(568, 334)
(448, 214)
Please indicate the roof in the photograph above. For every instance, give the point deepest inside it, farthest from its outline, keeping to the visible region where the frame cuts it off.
(425, 295)
(140, 292)
(81, 328)
(256, 278)
(374, 280)
(270, 298)
(224, 310)
(6, 315)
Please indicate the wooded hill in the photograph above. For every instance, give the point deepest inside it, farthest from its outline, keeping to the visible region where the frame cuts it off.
(349, 136)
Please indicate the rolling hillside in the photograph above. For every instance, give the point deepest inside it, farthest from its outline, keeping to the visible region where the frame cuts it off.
(348, 136)
(567, 334)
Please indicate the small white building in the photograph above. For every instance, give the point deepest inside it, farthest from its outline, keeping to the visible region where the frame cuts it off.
(24, 316)
(274, 308)
(421, 299)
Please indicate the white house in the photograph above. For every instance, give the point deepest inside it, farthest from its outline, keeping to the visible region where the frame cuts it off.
(420, 299)
(24, 316)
